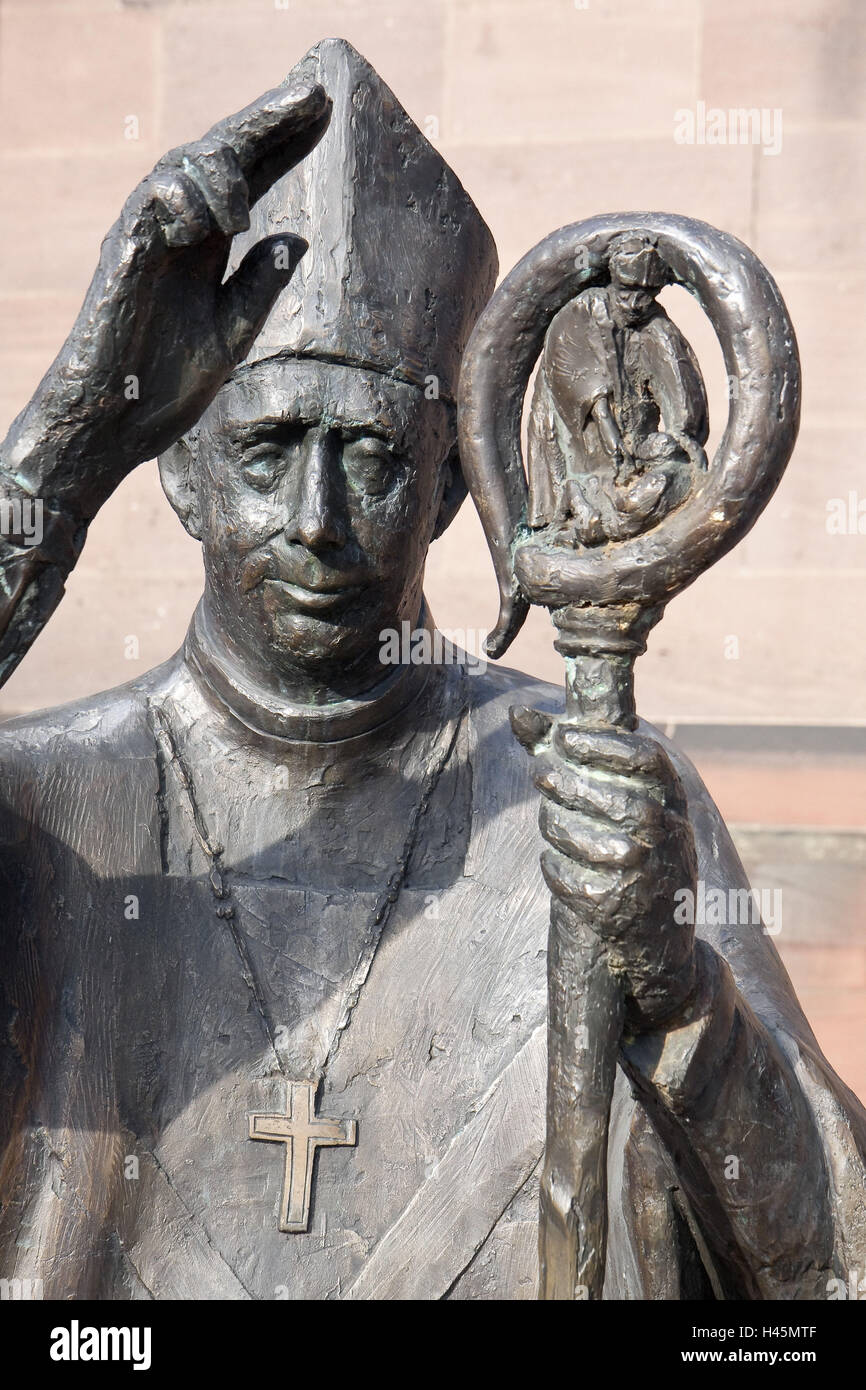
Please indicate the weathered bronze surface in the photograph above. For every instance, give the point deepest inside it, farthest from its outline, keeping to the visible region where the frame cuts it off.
(278, 878)
(616, 435)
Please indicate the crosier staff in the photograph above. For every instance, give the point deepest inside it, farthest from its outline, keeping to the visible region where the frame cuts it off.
(604, 599)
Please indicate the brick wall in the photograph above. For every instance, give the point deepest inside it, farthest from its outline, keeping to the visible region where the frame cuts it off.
(549, 110)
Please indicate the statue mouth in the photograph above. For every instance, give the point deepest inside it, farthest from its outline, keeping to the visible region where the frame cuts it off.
(314, 598)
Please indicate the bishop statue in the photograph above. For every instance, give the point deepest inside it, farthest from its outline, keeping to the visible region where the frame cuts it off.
(273, 985)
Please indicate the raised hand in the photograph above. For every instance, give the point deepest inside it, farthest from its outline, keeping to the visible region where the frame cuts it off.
(159, 331)
(613, 813)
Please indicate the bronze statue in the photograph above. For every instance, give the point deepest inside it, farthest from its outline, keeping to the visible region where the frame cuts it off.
(273, 985)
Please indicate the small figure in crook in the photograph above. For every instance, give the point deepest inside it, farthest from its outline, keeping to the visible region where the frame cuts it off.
(619, 414)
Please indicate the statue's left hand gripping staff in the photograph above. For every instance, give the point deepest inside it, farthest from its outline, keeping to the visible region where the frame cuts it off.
(158, 334)
(604, 599)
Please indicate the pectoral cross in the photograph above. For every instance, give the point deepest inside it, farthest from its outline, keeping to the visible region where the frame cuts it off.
(302, 1131)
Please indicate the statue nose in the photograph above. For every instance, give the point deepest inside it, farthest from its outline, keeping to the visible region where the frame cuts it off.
(315, 519)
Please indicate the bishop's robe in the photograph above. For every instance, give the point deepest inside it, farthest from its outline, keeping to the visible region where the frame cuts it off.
(143, 1022)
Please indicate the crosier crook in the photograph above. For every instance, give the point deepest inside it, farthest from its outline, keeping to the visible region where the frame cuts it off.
(604, 600)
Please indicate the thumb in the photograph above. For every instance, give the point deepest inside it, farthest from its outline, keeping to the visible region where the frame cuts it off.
(531, 727)
(248, 295)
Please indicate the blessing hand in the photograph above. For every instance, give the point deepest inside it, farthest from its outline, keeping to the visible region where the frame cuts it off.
(159, 331)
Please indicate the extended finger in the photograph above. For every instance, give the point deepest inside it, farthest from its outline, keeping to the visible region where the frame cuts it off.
(271, 135)
(531, 727)
(248, 296)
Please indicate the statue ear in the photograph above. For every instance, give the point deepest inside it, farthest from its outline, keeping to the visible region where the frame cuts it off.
(177, 473)
(453, 492)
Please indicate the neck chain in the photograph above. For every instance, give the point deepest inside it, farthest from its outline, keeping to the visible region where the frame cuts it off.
(298, 1127)
(385, 902)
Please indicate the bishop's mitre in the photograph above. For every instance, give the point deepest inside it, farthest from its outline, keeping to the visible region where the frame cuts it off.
(400, 262)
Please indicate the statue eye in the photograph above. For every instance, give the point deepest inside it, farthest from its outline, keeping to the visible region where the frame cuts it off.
(370, 466)
(261, 470)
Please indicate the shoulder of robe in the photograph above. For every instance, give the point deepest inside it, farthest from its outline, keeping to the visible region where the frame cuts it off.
(506, 844)
(496, 690)
(667, 345)
(55, 762)
(572, 329)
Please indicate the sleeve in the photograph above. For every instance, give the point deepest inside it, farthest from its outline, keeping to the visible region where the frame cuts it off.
(726, 1103)
(678, 385)
(577, 364)
(769, 1143)
(40, 541)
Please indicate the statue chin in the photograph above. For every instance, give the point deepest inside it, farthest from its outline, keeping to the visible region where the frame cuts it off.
(300, 641)
(285, 647)
(338, 644)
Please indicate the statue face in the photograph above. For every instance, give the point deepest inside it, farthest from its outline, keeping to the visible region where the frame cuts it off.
(318, 489)
(632, 304)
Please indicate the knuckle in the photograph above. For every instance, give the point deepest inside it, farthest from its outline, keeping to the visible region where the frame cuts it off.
(218, 175)
(152, 190)
(555, 780)
(173, 191)
(587, 840)
(613, 800)
(215, 158)
(180, 209)
(612, 750)
(172, 159)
